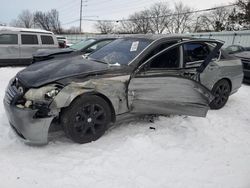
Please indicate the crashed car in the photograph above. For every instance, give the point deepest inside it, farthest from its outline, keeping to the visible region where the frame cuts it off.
(243, 54)
(84, 47)
(132, 76)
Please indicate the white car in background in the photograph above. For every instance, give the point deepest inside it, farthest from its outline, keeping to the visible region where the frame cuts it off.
(62, 41)
(18, 44)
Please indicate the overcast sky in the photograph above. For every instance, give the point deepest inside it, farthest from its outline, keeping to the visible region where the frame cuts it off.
(93, 9)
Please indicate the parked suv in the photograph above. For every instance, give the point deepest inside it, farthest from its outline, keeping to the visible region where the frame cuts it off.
(18, 44)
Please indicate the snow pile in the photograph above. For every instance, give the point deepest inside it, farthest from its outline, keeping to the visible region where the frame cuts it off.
(182, 152)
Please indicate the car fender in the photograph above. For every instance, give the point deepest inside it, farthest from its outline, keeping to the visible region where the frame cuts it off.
(114, 89)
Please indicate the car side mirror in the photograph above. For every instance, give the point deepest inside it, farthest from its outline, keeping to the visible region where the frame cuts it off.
(142, 70)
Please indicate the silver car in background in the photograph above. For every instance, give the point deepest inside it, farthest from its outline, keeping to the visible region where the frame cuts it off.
(18, 44)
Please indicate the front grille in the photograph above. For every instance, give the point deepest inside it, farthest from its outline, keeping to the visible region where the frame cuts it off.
(11, 94)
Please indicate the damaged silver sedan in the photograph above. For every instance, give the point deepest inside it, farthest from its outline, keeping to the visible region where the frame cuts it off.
(142, 75)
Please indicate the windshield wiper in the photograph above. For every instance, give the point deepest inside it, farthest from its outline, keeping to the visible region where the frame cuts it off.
(97, 60)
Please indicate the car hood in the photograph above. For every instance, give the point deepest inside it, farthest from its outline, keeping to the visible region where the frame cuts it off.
(243, 55)
(50, 52)
(42, 73)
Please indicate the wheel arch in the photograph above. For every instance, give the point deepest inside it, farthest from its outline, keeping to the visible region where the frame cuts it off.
(227, 79)
(113, 114)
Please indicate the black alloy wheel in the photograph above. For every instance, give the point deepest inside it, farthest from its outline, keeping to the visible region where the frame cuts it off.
(86, 119)
(221, 92)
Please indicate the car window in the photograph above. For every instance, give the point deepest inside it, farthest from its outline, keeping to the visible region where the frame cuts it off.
(169, 59)
(29, 39)
(8, 39)
(82, 44)
(157, 50)
(121, 51)
(99, 45)
(47, 39)
(194, 52)
(234, 49)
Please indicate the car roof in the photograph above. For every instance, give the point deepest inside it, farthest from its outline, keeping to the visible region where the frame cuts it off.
(18, 29)
(157, 37)
(103, 38)
(99, 38)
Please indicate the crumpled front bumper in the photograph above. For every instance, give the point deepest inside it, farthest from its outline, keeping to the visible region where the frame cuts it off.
(28, 128)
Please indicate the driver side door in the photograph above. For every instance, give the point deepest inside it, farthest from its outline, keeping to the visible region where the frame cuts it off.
(161, 86)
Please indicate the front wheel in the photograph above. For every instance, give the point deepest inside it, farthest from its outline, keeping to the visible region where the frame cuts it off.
(86, 119)
(221, 92)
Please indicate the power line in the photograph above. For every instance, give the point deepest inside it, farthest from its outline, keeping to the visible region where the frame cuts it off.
(65, 5)
(95, 12)
(73, 21)
(162, 16)
(122, 4)
(174, 14)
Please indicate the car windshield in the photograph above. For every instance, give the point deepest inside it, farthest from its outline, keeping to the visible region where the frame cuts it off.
(234, 49)
(120, 51)
(82, 44)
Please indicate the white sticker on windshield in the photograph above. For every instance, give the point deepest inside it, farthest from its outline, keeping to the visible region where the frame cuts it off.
(134, 46)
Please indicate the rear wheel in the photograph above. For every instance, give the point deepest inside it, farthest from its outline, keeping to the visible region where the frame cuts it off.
(221, 92)
(86, 119)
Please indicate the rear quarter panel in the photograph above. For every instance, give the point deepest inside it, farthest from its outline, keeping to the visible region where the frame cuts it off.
(230, 69)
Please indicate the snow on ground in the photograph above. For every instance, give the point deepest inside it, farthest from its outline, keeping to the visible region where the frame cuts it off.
(190, 152)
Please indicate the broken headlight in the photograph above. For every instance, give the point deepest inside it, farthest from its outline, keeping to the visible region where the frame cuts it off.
(42, 94)
(52, 93)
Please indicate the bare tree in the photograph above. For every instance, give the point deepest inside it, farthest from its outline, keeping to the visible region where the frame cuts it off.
(141, 22)
(41, 20)
(54, 21)
(126, 27)
(216, 20)
(239, 18)
(181, 20)
(104, 27)
(159, 20)
(25, 19)
(48, 20)
(244, 6)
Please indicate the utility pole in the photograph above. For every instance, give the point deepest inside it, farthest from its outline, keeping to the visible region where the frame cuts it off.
(81, 17)
(82, 1)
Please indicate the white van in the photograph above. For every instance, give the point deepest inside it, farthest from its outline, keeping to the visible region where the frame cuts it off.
(18, 44)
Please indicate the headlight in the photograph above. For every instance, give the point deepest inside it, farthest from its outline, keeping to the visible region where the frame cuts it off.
(52, 93)
(44, 93)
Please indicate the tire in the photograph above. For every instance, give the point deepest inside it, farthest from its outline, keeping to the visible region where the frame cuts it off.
(221, 91)
(86, 119)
